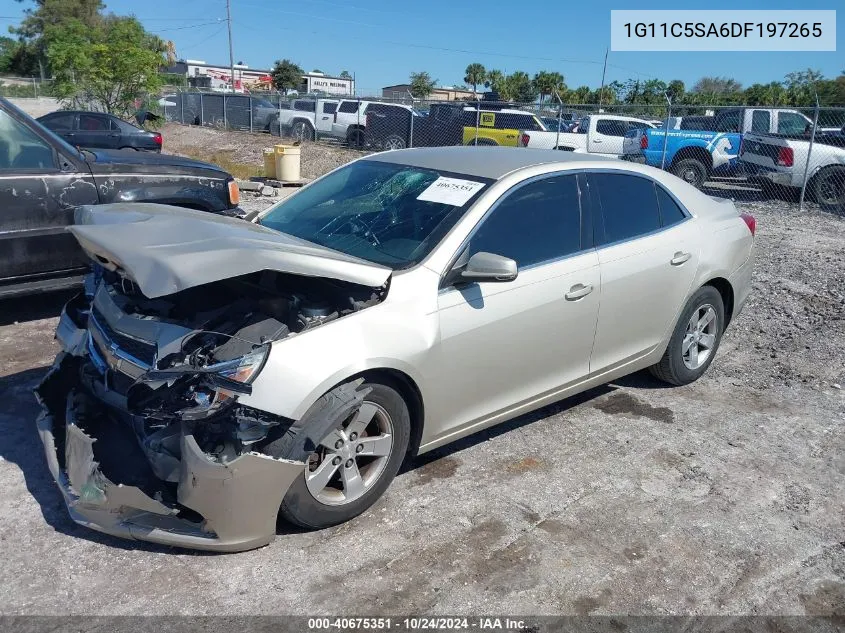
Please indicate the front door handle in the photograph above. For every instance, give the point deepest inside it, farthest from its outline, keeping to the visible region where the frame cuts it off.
(578, 291)
(680, 258)
(596, 140)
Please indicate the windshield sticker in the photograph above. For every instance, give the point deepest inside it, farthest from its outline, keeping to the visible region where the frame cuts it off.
(454, 191)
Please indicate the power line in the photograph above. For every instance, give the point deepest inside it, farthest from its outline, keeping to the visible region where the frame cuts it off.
(190, 26)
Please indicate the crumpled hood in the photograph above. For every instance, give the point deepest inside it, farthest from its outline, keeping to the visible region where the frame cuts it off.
(166, 249)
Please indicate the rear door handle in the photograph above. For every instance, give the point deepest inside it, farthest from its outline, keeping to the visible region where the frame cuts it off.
(596, 140)
(680, 258)
(578, 291)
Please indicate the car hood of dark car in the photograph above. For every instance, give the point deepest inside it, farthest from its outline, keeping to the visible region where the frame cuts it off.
(105, 160)
(166, 249)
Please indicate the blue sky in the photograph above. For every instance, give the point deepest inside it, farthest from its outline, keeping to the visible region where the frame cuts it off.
(382, 42)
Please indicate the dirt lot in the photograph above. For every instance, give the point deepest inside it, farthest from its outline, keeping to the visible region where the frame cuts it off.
(722, 497)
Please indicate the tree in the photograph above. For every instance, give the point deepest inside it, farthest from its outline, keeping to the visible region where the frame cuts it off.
(46, 18)
(519, 87)
(317, 70)
(422, 85)
(345, 74)
(546, 83)
(109, 65)
(676, 90)
(474, 75)
(495, 80)
(286, 75)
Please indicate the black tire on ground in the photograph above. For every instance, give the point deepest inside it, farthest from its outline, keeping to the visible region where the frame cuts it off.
(671, 368)
(274, 127)
(301, 131)
(301, 508)
(355, 138)
(828, 188)
(394, 141)
(482, 141)
(690, 170)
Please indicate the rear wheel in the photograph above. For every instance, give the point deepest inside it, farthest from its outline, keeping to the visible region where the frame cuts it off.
(353, 464)
(690, 170)
(355, 138)
(274, 127)
(829, 188)
(301, 131)
(394, 141)
(695, 339)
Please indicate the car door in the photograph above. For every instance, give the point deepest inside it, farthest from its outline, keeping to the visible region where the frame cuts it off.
(648, 253)
(39, 191)
(608, 137)
(324, 117)
(95, 130)
(505, 344)
(62, 123)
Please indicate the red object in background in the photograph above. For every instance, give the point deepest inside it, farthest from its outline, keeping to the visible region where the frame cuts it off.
(750, 221)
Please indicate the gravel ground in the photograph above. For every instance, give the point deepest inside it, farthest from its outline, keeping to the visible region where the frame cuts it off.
(721, 497)
(316, 158)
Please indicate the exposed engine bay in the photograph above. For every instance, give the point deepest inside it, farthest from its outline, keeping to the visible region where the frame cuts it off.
(142, 425)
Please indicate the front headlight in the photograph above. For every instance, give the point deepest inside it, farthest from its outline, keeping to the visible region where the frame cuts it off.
(245, 368)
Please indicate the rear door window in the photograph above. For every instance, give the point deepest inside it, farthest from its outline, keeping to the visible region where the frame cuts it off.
(761, 120)
(670, 212)
(60, 121)
(611, 127)
(629, 206)
(348, 107)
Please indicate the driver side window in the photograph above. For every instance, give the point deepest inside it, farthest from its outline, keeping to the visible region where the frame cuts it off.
(539, 222)
(20, 148)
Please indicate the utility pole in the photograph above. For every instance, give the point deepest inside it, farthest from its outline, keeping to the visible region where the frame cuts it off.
(231, 55)
(603, 72)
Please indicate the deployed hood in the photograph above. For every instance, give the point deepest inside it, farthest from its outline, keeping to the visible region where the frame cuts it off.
(166, 249)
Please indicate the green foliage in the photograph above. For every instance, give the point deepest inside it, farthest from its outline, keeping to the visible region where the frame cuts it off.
(475, 75)
(495, 80)
(345, 74)
(547, 83)
(286, 75)
(109, 65)
(422, 85)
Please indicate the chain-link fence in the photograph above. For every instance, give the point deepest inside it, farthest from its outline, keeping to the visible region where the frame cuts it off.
(746, 153)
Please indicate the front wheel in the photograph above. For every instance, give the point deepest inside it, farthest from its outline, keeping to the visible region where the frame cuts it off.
(695, 339)
(353, 464)
(691, 170)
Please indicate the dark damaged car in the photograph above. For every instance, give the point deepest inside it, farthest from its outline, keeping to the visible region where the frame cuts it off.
(43, 180)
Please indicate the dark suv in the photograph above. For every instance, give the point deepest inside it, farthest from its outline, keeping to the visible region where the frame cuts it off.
(43, 180)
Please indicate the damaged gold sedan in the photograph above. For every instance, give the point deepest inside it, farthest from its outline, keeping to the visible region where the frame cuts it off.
(216, 374)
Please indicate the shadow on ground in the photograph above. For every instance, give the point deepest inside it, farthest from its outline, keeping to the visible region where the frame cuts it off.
(33, 307)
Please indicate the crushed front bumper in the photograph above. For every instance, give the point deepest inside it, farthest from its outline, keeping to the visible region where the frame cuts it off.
(217, 506)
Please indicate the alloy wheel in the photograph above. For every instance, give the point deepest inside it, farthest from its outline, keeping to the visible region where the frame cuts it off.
(350, 459)
(700, 336)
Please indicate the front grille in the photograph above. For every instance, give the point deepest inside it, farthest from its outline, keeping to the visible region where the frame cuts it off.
(141, 350)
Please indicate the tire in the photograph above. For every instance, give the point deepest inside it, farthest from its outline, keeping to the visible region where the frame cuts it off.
(274, 127)
(691, 171)
(675, 367)
(307, 505)
(828, 188)
(394, 141)
(483, 141)
(301, 131)
(355, 138)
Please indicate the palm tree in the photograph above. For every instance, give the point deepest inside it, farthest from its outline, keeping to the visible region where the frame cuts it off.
(474, 75)
(547, 83)
(495, 80)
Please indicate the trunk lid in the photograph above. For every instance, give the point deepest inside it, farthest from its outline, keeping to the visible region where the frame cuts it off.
(166, 249)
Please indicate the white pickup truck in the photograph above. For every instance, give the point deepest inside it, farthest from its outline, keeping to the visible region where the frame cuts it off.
(597, 134)
(306, 119)
(780, 159)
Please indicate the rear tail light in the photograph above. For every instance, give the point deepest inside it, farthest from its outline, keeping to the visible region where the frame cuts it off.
(785, 157)
(234, 193)
(524, 140)
(750, 222)
(157, 139)
(644, 141)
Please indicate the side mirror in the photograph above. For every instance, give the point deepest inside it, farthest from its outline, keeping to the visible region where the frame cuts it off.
(483, 267)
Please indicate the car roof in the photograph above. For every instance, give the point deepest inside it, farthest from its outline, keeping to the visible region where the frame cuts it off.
(484, 162)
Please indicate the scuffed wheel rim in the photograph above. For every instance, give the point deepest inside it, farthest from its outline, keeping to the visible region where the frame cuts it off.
(830, 190)
(351, 459)
(700, 336)
(394, 142)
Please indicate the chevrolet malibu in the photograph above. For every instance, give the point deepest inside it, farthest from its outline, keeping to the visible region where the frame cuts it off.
(218, 373)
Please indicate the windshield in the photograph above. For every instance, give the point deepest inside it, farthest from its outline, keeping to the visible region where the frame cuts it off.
(386, 213)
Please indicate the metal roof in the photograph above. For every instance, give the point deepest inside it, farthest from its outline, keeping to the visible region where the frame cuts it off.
(486, 162)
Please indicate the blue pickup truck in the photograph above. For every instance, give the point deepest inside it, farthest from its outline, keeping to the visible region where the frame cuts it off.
(695, 155)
